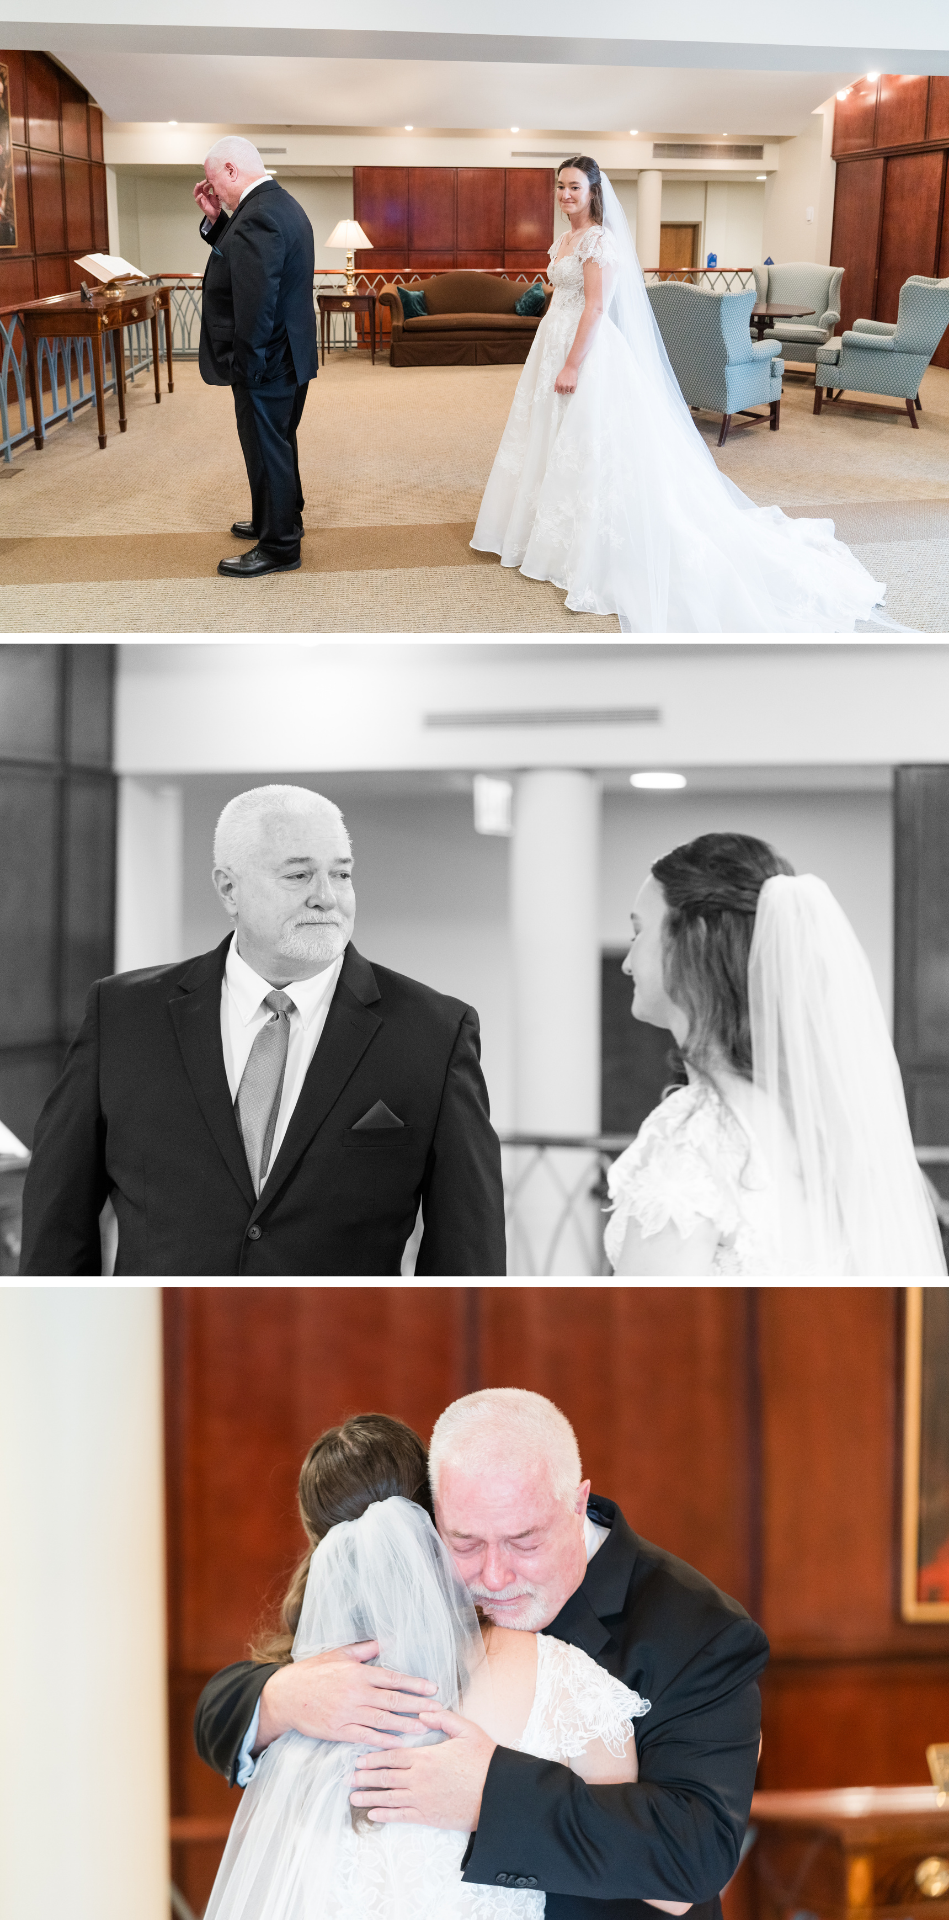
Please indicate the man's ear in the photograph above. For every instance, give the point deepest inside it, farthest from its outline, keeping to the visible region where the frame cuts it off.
(223, 882)
(581, 1498)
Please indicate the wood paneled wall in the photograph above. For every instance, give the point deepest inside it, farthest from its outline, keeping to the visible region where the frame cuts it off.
(59, 179)
(57, 832)
(890, 215)
(753, 1431)
(440, 217)
(920, 948)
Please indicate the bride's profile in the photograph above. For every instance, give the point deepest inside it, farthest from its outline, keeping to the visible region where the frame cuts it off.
(603, 485)
(789, 1151)
(378, 1571)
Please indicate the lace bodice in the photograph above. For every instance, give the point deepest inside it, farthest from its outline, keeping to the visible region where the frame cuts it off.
(567, 274)
(414, 1873)
(694, 1160)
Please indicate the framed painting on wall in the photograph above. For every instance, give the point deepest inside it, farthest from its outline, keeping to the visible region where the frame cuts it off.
(7, 191)
(924, 1529)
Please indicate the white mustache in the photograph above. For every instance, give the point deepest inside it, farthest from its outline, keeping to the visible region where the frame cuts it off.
(507, 1593)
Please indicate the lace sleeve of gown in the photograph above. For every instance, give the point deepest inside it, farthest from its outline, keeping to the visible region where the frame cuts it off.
(673, 1171)
(598, 245)
(576, 1702)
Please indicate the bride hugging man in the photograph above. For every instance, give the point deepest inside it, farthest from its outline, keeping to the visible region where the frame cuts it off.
(491, 1700)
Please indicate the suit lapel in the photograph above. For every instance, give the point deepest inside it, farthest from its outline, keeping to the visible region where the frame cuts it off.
(603, 1590)
(195, 1010)
(350, 1027)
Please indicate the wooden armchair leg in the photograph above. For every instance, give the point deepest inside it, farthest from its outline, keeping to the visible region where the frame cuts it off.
(911, 412)
(724, 429)
(918, 405)
(775, 408)
(817, 406)
(835, 393)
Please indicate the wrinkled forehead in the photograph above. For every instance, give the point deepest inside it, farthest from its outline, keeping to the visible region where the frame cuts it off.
(496, 1498)
(315, 833)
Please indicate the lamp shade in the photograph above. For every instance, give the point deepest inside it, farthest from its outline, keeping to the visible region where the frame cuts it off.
(348, 233)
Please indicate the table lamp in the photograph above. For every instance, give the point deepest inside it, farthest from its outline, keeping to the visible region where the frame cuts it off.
(348, 234)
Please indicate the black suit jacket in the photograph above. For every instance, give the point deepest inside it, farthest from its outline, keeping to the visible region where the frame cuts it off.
(258, 326)
(599, 1852)
(143, 1114)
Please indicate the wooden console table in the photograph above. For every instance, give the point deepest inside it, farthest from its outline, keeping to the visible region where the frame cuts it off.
(851, 1853)
(346, 303)
(68, 316)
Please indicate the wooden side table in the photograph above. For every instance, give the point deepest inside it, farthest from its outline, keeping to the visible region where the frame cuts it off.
(763, 316)
(346, 303)
(69, 316)
(851, 1853)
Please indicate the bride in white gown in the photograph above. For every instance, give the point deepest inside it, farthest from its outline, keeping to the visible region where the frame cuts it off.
(789, 1152)
(603, 485)
(296, 1850)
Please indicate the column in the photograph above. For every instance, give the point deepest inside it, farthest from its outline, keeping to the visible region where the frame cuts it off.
(150, 874)
(649, 196)
(554, 917)
(83, 1762)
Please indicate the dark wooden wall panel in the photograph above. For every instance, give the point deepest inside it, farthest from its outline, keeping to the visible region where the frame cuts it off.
(920, 946)
(854, 119)
(865, 1723)
(901, 110)
(432, 210)
(529, 210)
(937, 118)
(443, 217)
(859, 189)
(481, 210)
(912, 193)
(59, 179)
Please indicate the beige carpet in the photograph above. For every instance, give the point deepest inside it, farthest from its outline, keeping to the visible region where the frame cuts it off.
(393, 465)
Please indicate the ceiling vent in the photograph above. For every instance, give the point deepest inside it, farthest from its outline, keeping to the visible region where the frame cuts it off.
(680, 150)
(551, 717)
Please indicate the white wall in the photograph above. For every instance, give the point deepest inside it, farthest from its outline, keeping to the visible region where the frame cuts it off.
(733, 223)
(158, 219)
(805, 179)
(844, 837)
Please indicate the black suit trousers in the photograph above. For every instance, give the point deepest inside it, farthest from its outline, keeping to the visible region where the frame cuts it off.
(267, 422)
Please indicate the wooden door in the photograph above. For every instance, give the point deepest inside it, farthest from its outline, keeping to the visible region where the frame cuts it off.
(678, 245)
(480, 217)
(920, 956)
(859, 191)
(901, 110)
(911, 223)
(381, 205)
(529, 216)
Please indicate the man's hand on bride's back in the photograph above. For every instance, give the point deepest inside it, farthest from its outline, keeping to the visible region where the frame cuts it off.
(336, 1696)
(429, 1786)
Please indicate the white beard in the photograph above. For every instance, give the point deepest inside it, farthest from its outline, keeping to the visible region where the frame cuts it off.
(311, 943)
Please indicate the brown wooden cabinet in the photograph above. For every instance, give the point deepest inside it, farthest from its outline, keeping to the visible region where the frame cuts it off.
(432, 217)
(890, 215)
(59, 179)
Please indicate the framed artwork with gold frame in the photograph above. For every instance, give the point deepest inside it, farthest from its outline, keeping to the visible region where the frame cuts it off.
(924, 1515)
(7, 187)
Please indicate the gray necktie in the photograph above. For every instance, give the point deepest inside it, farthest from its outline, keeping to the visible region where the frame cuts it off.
(258, 1096)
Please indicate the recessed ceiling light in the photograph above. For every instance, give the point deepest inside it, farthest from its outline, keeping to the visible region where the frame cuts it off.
(874, 76)
(408, 129)
(516, 129)
(634, 130)
(843, 95)
(761, 176)
(658, 781)
(173, 123)
(725, 136)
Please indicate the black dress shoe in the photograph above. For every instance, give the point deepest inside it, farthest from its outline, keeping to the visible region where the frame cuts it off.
(246, 530)
(250, 566)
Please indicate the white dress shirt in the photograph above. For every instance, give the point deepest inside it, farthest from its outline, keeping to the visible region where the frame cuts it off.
(259, 182)
(594, 1537)
(243, 1014)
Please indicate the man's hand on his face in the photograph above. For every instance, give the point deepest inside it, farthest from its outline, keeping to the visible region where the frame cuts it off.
(335, 1696)
(207, 200)
(431, 1786)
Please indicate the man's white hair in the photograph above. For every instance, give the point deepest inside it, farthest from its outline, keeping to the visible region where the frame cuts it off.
(245, 818)
(506, 1426)
(242, 153)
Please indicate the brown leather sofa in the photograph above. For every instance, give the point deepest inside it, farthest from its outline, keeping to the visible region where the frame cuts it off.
(471, 321)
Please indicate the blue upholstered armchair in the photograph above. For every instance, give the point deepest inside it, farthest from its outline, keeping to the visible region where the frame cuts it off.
(880, 357)
(718, 366)
(801, 282)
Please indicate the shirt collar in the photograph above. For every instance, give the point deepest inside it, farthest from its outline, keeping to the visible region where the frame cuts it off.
(254, 183)
(248, 990)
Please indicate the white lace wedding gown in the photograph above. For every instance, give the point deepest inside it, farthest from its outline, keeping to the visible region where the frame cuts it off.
(414, 1873)
(603, 493)
(694, 1159)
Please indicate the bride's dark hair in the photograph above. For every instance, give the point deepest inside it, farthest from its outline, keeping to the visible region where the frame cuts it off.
(711, 887)
(586, 165)
(370, 1457)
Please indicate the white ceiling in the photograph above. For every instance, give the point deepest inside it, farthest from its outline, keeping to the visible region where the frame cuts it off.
(274, 91)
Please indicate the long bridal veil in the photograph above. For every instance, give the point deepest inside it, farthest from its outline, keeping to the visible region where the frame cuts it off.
(822, 1056)
(385, 1577)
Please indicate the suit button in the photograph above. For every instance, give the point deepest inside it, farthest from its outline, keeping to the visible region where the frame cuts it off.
(531, 1881)
(522, 1880)
(254, 1233)
(501, 1879)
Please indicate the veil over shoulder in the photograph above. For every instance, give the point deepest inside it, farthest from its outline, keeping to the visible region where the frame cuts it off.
(385, 1577)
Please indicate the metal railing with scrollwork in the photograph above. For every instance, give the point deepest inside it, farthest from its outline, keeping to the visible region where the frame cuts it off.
(65, 376)
(713, 279)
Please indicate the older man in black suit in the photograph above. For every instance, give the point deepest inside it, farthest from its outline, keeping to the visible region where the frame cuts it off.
(259, 337)
(277, 1106)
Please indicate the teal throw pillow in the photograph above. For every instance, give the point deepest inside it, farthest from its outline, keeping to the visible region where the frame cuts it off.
(413, 304)
(532, 300)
